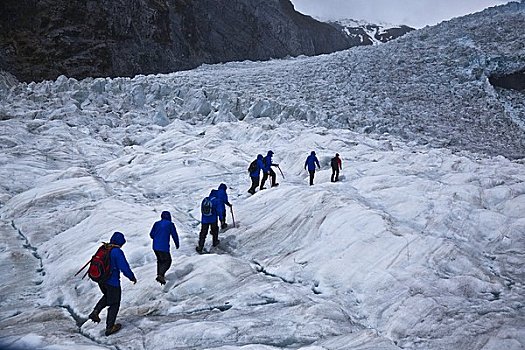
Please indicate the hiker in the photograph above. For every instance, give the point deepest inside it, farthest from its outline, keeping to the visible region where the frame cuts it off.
(209, 221)
(311, 162)
(111, 287)
(255, 170)
(160, 233)
(268, 171)
(336, 165)
(222, 201)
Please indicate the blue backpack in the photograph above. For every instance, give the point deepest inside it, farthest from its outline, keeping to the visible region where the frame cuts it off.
(207, 207)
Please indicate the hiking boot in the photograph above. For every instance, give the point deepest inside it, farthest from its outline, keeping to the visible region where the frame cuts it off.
(198, 249)
(224, 225)
(216, 243)
(161, 279)
(93, 316)
(250, 191)
(262, 188)
(113, 329)
(275, 184)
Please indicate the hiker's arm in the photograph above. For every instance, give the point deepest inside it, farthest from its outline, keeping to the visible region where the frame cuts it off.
(151, 233)
(226, 200)
(175, 236)
(123, 266)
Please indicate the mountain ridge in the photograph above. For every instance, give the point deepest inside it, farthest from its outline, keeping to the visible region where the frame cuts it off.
(45, 39)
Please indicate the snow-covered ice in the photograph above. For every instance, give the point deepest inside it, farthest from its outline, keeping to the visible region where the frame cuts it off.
(419, 246)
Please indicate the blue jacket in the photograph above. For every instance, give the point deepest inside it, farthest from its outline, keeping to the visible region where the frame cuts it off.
(118, 261)
(209, 219)
(222, 200)
(267, 163)
(311, 161)
(260, 165)
(161, 232)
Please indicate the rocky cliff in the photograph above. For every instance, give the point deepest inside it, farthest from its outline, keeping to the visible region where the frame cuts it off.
(80, 38)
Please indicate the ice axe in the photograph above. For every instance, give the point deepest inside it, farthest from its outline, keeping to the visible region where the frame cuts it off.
(278, 167)
(233, 218)
(83, 267)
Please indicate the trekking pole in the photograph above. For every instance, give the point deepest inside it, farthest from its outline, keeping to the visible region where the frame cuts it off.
(233, 218)
(278, 167)
(83, 267)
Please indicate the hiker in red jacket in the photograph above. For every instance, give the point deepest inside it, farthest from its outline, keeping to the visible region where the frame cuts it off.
(336, 166)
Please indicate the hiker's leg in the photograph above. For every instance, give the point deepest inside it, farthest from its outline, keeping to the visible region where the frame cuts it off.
(202, 235)
(272, 176)
(265, 176)
(215, 233)
(312, 174)
(337, 174)
(103, 302)
(113, 296)
(255, 183)
(163, 262)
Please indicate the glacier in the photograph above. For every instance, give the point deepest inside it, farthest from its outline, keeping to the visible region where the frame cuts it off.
(419, 246)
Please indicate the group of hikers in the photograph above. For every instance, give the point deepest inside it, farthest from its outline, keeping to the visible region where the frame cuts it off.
(265, 164)
(213, 212)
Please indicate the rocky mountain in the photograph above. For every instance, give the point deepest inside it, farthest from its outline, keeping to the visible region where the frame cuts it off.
(364, 33)
(80, 38)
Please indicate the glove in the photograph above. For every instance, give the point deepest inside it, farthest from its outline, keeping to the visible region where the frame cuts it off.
(134, 280)
(177, 246)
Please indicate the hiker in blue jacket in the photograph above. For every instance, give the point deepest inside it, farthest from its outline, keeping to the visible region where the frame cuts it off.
(161, 232)
(311, 162)
(268, 171)
(222, 201)
(255, 174)
(111, 287)
(209, 217)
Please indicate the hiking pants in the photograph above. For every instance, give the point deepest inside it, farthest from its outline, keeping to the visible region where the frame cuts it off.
(255, 183)
(265, 176)
(111, 297)
(163, 262)
(204, 232)
(335, 174)
(312, 174)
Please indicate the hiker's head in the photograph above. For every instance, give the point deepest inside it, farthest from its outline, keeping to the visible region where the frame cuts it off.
(118, 239)
(313, 153)
(223, 187)
(165, 215)
(260, 156)
(270, 153)
(337, 154)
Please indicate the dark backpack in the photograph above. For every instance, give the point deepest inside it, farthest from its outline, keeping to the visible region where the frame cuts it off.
(99, 266)
(253, 166)
(207, 207)
(334, 163)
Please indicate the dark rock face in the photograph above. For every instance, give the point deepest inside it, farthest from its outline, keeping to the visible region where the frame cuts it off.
(42, 39)
(512, 81)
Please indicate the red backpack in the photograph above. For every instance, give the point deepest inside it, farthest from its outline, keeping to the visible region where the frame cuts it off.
(99, 266)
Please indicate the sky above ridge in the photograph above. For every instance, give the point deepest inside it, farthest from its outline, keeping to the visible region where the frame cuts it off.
(415, 13)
